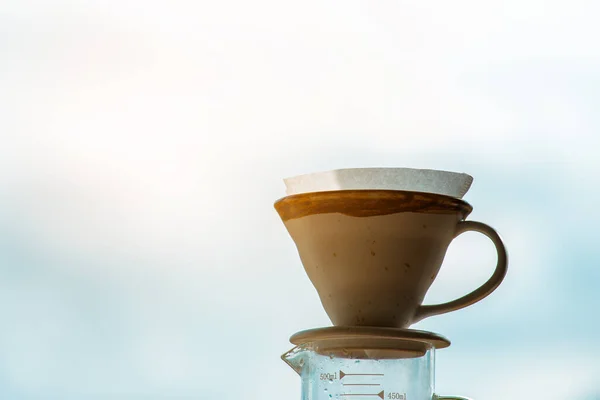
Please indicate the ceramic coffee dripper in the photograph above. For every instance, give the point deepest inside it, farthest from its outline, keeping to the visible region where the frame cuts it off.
(373, 254)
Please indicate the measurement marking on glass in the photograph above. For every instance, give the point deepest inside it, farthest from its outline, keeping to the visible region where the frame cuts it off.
(380, 394)
(328, 377)
(343, 374)
(398, 396)
(361, 384)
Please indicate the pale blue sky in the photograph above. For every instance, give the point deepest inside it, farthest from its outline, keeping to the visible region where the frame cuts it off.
(144, 143)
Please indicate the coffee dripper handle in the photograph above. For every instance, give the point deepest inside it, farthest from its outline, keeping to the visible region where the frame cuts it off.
(484, 290)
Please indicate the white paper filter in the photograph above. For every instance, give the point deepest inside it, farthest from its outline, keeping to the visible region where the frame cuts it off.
(418, 180)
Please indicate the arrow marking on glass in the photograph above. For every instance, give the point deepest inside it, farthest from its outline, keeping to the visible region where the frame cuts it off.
(380, 394)
(343, 374)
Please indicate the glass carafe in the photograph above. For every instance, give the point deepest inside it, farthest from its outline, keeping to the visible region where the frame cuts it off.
(367, 367)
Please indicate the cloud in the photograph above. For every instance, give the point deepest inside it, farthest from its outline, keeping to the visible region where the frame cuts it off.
(520, 373)
(144, 145)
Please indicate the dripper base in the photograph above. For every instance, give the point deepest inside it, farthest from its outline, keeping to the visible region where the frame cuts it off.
(369, 342)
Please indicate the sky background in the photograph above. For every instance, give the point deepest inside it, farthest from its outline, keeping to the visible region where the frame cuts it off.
(144, 143)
